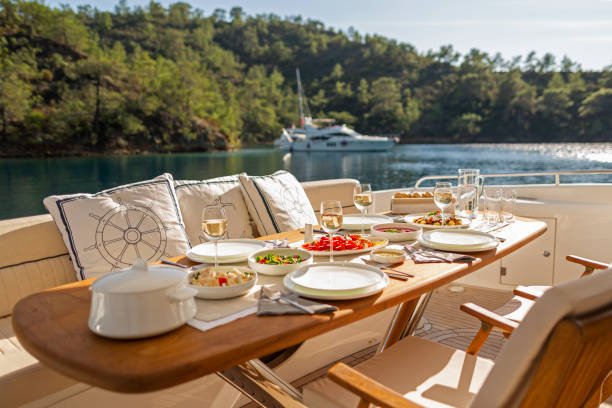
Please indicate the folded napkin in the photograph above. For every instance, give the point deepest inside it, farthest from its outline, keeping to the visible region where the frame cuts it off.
(431, 256)
(269, 305)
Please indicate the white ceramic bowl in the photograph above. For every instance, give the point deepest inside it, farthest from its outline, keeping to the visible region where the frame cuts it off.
(224, 292)
(387, 255)
(279, 270)
(406, 233)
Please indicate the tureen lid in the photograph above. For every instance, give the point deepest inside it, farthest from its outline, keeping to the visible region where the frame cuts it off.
(139, 278)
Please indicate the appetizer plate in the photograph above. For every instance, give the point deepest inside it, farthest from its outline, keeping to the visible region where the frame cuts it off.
(409, 219)
(360, 281)
(230, 250)
(354, 222)
(396, 232)
(459, 240)
(378, 243)
(224, 292)
(279, 269)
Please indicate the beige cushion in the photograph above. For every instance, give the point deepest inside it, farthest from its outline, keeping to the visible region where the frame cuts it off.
(427, 373)
(110, 230)
(336, 189)
(22, 378)
(515, 362)
(277, 202)
(17, 245)
(193, 196)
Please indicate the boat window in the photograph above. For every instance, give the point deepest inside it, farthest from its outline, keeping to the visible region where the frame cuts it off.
(331, 144)
(340, 135)
(319, 137)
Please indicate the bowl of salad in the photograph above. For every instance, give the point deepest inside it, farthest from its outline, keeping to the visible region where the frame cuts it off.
(278, 261)
(396, 232)
(222, 282)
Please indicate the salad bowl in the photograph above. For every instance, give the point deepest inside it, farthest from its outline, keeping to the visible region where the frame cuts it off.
(279, 261)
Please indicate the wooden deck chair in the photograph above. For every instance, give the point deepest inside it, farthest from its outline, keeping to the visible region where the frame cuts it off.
(559, 356)
(520, 304)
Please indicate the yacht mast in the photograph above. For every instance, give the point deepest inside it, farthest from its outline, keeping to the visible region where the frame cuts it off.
(303, 103)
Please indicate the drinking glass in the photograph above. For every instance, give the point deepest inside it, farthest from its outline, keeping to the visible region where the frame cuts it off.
(493, 207)
(214, 225)
(331, 221)
(443, 197)
(509, 199)
(362, 197)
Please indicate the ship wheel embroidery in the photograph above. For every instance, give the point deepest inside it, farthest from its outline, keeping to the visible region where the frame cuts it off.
(217, 203)
(129, 232)
(291, 201)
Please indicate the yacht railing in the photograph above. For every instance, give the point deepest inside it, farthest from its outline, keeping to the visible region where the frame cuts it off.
(556, 174)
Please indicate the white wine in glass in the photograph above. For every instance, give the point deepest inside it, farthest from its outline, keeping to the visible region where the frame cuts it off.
(331, 221)
(362, 197)
(214, 226)
(443, 197)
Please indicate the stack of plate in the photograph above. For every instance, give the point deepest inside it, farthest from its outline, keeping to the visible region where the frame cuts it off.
(229, 250)
(336, 281)
(458, 240)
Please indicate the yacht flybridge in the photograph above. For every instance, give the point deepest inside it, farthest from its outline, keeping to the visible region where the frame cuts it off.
(577, 213)
(319, 135)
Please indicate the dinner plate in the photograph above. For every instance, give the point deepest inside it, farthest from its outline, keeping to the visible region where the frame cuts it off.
(337, 295)
(378, 243)
(459, 240)
(354, 222)
(229, 250)
(211, 260)
(335, 276)
(409, 219)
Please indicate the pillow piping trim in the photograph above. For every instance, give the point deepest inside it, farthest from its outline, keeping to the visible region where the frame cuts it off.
(266, 204)
(245, 189)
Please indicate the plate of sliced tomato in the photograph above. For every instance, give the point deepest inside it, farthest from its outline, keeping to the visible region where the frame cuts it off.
(344, 244)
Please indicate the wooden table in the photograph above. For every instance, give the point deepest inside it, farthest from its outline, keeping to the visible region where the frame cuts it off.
(52, 326)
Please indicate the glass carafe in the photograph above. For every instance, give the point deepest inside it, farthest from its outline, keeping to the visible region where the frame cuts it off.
(469, 188)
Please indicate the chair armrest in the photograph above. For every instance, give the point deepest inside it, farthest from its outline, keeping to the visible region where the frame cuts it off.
(527, 292)
(366, 388)
(489, 317)
(589, 264)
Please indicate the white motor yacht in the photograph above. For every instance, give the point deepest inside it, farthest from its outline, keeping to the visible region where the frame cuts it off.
(315, 136)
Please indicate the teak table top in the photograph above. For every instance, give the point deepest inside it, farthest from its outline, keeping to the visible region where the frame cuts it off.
(52, 326)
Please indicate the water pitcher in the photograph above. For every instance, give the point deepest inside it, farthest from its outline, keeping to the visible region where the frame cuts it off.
(469, 187)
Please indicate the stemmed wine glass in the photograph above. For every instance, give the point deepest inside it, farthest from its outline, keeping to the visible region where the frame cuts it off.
(362, 197)
(443, 197)
(214, 225)
(331, 221)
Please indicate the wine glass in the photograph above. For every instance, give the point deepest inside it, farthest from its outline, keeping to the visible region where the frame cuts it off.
(443, 197)
(331, 221)
(362, 197)
(214, 226)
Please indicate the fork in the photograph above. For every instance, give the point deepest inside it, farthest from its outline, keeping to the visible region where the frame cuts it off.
(386, 268)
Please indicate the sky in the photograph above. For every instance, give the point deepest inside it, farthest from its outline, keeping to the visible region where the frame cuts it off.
(580, 29)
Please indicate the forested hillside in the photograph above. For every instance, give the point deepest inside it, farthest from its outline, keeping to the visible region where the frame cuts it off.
(179, 79)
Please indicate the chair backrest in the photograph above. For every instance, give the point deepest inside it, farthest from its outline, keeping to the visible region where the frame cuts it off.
(562, 351)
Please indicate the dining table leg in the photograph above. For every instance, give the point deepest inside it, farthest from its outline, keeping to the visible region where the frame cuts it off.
(405, 321)
(262, 385)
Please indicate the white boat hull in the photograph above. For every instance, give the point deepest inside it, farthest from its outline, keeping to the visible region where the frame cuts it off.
(342, 146)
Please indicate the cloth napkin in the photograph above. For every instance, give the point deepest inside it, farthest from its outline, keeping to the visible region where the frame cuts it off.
(269, 307)
(431, 256)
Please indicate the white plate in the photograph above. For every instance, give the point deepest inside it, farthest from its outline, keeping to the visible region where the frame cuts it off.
(379, 242)
(208, 260)
(459, 240)
(354, 222)
(337, 295)
(227, 249)
(409, 219)
(279, 270)
(225, 292)
(336, 276)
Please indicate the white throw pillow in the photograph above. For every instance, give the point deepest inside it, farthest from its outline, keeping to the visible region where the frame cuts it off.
(193, 196)
(110, 230)
(277, 202)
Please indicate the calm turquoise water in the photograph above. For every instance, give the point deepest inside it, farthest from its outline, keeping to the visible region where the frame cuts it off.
(25, 182)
